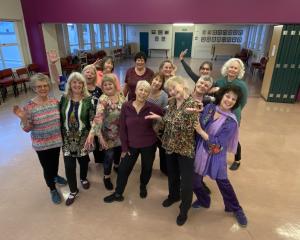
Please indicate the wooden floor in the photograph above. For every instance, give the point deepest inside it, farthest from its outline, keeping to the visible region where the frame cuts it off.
(267, 185)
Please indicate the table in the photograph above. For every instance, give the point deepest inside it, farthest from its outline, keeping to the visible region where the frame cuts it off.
(160, 50)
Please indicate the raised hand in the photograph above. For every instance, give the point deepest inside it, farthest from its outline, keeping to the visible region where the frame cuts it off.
(19, 112)
(153, 116)
(52, 56)
(97, 62)
(182, 54)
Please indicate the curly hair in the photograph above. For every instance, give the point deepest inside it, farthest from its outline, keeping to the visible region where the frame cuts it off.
(229, 88)
(226, 65)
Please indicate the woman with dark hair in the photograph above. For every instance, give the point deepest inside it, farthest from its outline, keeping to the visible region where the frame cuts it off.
(233, 71)
(217, 134)
(107, 66)
(204, 69)
(135, 74)
(167, 69)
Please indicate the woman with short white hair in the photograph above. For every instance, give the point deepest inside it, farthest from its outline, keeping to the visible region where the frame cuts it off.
(137, 137)
(233, 71)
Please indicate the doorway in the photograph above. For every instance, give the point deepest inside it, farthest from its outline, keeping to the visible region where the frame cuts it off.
(183, 41)
(144, 42)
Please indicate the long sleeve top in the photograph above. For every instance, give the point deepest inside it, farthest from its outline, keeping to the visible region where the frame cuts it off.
(179, 133)
(135, 130)
(189, 71)
(43, 122)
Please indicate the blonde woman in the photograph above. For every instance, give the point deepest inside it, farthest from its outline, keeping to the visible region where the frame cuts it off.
(77, 112)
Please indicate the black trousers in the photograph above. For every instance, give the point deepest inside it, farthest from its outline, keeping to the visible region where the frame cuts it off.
(128, 162)
(49, 160)
(111, 155)
(180, 180)
(70, 168)
(237, 156)
(98, 155)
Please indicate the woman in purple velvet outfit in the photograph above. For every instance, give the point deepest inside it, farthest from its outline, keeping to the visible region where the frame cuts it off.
(217, 135)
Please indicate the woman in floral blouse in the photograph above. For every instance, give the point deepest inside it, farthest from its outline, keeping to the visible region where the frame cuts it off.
(179, 141)
(106, 125)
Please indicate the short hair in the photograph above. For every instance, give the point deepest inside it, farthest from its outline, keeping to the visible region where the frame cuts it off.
(140, 55)
(229, 88)
(166, 61)
(104, 60)
(39, 77)
(206, 78)
(76, 76)
(227, 64)
(177, 80)
(90, 67)
(206, 63)
(160, 77)
(144, 84)
(109, 78)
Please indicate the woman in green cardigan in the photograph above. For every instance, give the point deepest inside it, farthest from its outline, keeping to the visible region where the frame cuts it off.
(233, 71)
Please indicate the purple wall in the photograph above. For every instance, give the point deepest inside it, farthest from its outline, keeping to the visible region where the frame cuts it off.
(154, 11)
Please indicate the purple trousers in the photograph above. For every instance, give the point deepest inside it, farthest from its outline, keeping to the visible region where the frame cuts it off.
(230, 200)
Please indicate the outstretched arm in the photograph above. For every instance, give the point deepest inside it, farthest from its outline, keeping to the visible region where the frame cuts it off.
(53, 58)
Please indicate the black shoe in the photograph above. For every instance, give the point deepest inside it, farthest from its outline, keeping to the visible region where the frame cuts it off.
(143, 192)
(107, 183)
(181, 219)
(85, 183)
(113, 197)
(71, 198)
(235, 165)
(168, 202)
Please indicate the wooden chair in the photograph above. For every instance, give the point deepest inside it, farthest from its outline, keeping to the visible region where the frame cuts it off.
(23, 77)
(7, 80)
(34, 68)
(260, 66)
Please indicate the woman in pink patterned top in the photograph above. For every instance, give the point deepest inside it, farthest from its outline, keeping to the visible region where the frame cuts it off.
(41, 117)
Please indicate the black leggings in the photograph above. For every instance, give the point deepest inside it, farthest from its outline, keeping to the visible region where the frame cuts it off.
(49, 160)
(70, 167)
(237, 156)
(111, 155)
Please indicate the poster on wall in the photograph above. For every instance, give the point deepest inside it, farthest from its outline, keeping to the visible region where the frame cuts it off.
(209, 32)
(163, 38)
(213, 39)
(219, 39)
(233, 39)
(203, 32)
(223, 39)
(234, 32)
(153, 31)
(224, 32)
(156, 39)
(240, 32)
(229, 32)
(208, 39)
(214, 32)
(202, 39)
(239, 39)
(160, 32)
(228, 39)
(166, 32)
(220, 32)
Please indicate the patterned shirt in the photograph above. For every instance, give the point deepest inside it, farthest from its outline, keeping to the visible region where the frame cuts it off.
(179, 133)
(44, 124)
(107, 120)
(76, 120)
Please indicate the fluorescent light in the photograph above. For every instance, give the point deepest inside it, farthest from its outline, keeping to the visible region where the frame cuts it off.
(183, 24)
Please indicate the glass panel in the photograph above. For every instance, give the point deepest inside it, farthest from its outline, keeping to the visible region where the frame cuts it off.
(121, 35)
(12, 56)
(114, 35)
(74, 49)
(73, 36)
(7, 32)
(106, 35)
(97, 32)
(86, 36)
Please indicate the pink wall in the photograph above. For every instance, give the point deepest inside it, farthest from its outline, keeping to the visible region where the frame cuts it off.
(151, 11)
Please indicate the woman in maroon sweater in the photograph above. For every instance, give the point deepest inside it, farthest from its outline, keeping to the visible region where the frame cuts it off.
(137, 137)
(135, 74)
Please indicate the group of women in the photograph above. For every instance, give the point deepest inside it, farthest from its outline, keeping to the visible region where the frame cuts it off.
(193, 131)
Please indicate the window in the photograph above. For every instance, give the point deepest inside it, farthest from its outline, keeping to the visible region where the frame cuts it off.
(114, 35)
(106, 36)
(10, 52)
(120, 35)
(86, 37)
(97, 34)
(73, 37)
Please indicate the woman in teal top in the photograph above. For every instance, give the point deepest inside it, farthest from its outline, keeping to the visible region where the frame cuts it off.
(233, 71)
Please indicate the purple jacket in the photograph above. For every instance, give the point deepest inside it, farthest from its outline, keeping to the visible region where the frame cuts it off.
(135, 130)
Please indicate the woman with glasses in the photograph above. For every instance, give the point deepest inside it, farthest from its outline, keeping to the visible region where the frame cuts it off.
(204, 69)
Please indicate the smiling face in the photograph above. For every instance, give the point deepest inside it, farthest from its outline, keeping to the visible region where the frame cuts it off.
(42, 88)
(157, 83)
(142, 93)
(202, 86)
(108, 88)
(140, 63)
(76, 86)
(167, 69)
(108, 66)
(205, 70)
(90, 76)
(228, 101)
(233, 70)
